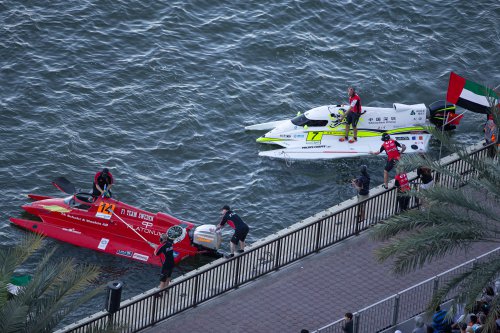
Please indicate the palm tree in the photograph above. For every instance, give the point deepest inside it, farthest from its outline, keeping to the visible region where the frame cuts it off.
(51, 294)
(453, 220)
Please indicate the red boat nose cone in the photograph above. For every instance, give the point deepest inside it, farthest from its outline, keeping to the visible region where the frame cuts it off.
(30, 209)
(34, 210)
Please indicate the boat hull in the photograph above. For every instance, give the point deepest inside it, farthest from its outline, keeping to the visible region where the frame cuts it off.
(316, 133)
(331, 148)
(106, 225)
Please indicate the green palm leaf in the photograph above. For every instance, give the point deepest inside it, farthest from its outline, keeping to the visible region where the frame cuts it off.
(55, 289)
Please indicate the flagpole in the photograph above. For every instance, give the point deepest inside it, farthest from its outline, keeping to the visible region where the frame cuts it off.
(442, 130)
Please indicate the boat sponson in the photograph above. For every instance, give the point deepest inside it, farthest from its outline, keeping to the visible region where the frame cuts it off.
(123, 247)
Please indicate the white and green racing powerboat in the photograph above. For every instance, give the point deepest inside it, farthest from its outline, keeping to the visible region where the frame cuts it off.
(315, 134)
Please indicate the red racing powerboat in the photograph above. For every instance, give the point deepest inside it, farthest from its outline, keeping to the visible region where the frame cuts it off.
(107, 225)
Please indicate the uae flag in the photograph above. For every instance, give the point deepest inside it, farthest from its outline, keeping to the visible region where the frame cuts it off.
(470, 95)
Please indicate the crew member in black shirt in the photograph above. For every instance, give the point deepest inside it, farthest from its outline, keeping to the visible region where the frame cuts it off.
(166, 248)
(240, 229)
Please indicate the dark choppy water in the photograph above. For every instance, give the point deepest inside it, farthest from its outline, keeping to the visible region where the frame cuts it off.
(160, 92)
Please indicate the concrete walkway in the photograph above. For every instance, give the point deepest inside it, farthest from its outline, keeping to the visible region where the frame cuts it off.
(310, 293)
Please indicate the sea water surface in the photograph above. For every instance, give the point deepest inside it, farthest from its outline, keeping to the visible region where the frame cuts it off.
(160, 92)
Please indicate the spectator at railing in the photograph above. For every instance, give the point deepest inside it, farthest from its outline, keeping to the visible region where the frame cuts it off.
(426, 181)
(362, 185)
(473, 324)
(488, 295)
(462, 327)
(420, 327)
(440, 323)
(348, 324)
(484, 304)
(482, 322)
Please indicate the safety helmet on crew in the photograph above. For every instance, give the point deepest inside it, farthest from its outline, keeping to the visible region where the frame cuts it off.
(386, 137)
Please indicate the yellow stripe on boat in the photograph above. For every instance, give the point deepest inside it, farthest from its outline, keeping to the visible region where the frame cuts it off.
(55, 208)
(262, 139)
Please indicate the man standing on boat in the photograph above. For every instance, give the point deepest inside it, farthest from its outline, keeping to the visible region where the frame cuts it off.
(240, 229)
(352, 114)
(393, 154)
(102, 179)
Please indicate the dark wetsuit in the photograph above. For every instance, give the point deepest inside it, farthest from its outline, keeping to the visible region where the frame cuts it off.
(167, 249)
(102, 180)
(240, 228)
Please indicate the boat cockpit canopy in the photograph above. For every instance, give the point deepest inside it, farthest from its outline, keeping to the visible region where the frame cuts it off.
(302, 120)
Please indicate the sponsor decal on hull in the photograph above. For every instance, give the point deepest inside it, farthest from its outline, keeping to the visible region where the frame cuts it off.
(103, 244)
(148, 231)
(125, 253)
(72, 230)
(309, 147)
(105, 210)
(135, 214)
(141, 257)
(82, 219)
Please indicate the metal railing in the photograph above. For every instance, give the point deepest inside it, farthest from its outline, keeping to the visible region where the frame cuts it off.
(287, 247)
(404, 305)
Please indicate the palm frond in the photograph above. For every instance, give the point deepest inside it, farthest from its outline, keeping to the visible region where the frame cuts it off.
(56, 289)
(491, 325)
(53, 303)
(458, 201)
(427, 245)
(416, 220)
(474, 279)
(11, 258)
(13, 317)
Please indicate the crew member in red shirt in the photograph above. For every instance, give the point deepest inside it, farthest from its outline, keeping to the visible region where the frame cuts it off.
(403, 185)
(102, 179)
(352, 114)
(393, 154)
